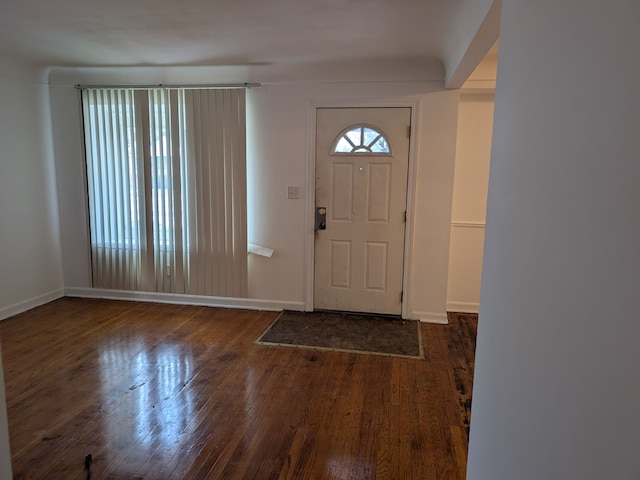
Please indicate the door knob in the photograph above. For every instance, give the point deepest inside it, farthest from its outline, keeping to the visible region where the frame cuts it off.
(321, 218)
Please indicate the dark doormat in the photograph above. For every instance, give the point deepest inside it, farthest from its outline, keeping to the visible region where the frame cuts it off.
(346, 332)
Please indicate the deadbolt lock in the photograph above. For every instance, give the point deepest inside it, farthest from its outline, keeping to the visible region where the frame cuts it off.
(321, 218)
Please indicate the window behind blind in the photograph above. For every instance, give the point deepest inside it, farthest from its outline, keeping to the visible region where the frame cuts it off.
(166, 181)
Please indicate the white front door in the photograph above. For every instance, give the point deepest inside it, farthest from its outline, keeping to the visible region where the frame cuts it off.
(362, 157)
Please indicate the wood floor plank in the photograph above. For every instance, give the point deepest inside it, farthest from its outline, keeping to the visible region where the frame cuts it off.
(182, 392)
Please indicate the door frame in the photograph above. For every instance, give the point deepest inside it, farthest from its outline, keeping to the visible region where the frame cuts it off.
(414, 104)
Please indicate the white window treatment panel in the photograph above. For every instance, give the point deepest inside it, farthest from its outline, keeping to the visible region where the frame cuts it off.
(167, 189)
(115, 187)
(217, 234)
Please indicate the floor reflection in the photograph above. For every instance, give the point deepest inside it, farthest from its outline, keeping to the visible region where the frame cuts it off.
(144, 392)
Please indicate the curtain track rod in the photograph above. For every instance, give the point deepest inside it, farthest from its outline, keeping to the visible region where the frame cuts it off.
(164, 85)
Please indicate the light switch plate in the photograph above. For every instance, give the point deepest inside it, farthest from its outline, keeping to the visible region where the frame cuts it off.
(293, 193)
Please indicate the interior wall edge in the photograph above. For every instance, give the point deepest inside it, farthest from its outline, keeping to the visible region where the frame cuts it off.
(429, 317)
(28, 304)
(181, 299)
(463, 307)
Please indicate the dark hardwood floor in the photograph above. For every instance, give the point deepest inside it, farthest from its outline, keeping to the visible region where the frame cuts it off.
(165, 391)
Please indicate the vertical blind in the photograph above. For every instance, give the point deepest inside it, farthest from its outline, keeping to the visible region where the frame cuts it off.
(166, 182)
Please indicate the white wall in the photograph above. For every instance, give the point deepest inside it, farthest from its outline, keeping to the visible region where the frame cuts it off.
(71, 189)
(30, 267)
(557, 379)
(471, 178)
(470, 34)
(280, 131)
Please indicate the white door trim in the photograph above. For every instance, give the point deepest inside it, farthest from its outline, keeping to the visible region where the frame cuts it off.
(411, 102)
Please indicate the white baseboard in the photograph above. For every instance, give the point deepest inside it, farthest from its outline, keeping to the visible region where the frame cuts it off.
(224, 302)
(463, 307)
(30, 303)
(429, 317)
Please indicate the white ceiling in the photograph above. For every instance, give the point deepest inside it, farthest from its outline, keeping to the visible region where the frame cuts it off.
(107, 33)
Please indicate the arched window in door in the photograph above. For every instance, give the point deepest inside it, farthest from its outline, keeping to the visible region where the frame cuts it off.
(361, 139)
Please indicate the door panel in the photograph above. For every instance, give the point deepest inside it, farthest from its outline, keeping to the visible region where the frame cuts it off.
(376, 266)
(341, 206)
(379, 193)
(340, 264)
(359, 256)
